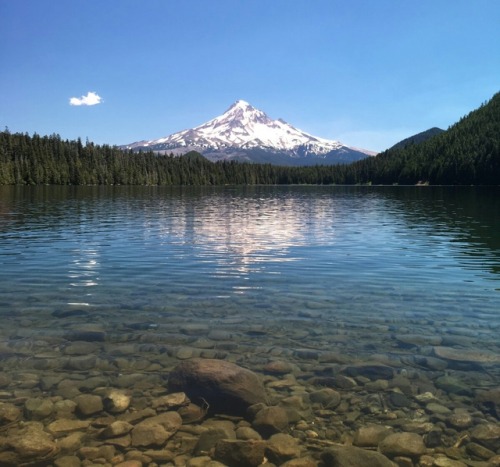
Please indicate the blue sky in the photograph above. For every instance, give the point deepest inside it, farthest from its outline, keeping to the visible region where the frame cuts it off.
(366, 72)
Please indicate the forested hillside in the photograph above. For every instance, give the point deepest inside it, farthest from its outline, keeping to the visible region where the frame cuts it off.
(467, 153)
(418, 138)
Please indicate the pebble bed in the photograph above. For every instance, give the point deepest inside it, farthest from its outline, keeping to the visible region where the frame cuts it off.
(92, 389)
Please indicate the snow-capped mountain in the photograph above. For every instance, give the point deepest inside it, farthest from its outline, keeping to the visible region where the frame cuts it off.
(246, 133)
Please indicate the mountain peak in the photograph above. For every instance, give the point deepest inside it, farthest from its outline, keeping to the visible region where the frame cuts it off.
(240, 103)
(242, 112)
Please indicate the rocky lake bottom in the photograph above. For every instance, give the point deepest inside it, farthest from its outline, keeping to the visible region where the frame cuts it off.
(92, 389)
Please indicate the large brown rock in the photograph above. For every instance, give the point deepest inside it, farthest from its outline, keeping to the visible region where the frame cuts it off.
(350, 456)
(221, 386)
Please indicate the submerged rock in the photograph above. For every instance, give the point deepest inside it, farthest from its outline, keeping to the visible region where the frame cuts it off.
(239, 453)
(245, 432)
(466, 355)
(371, 435)
(38, 408)
(271, 420)
(177, 399)
(402, 444)
(116, 429)
(350, 456)
(281, 448)
(63, 425)
(327, 397)
(418, 339)
(68, 461)
(210, 438)
(8, 413)
(453, 385)
(146, 434)
(490, 400)
(88, 404)
(442, 461)
(223, 386)
(279, 367)
(116, 401)
(5, 380)
(487, 434)
(154, 431)
(372, 371)
(32, 443)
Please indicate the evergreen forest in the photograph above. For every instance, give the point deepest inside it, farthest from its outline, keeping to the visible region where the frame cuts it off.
(468, 153)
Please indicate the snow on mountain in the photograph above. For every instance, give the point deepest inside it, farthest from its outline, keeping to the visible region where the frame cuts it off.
(242, 131)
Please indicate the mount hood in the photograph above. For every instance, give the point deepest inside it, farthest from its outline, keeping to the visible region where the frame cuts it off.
(245, 133)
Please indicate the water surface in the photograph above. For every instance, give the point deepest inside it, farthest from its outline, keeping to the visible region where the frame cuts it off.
(345, 271)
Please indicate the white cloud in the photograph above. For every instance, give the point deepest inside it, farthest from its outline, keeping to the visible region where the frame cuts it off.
(90, 99)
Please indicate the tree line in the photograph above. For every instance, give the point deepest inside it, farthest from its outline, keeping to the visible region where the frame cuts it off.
(49, 160)
(467, 153)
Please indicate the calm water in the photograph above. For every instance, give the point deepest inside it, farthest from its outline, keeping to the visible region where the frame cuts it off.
(385, 273)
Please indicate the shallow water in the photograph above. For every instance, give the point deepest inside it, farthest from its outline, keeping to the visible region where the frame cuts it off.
(320, 276)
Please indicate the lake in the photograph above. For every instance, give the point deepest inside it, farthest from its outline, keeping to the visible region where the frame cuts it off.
(114, 286)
